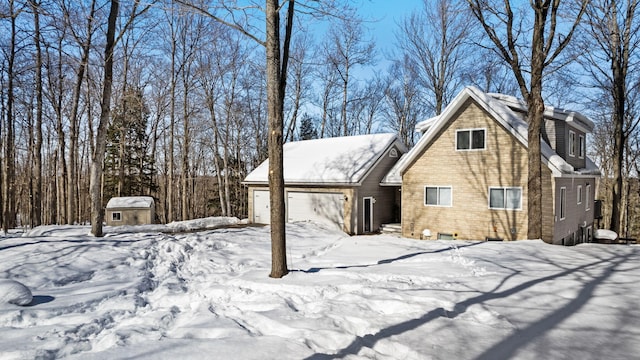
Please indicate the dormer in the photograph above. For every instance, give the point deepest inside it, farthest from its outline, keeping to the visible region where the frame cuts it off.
(565, 131)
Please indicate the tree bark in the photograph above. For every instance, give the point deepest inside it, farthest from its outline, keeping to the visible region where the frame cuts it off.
(36, 218)
(95, 180)
(275, 118)
(8, 209)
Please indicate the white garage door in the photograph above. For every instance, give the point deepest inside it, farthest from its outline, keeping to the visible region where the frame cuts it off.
(318, 207)
(261, 212)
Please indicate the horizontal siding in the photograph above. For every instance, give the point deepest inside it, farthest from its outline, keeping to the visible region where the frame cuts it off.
(577, 215)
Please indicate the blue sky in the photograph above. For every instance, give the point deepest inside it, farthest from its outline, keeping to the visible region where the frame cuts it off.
(388, 13)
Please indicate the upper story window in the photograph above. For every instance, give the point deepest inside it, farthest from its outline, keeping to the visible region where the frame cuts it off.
(581, 146)
(470, 139)
(587, 194)
(572, 143)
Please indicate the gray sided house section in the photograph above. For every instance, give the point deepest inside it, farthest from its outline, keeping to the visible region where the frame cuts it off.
(574, 210)
(131, 210)
(376, 204)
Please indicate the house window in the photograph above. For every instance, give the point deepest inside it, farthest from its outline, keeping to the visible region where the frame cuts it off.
(473, 139)
(116, 216)
(581, 146)
(563, 203)
(579, 192)
(507, 198)
(587, 197)
(572, 143)
(437, 195)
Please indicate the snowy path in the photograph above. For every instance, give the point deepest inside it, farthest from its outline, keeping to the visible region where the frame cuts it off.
(207, 295)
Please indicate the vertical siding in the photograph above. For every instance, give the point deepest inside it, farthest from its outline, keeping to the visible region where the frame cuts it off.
(384, 209)
(470, 173)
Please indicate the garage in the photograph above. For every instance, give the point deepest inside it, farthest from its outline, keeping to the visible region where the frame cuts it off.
(331, 180)
(320, 207)
(316, 206)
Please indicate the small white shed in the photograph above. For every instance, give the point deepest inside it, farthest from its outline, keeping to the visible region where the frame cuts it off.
(130, 210)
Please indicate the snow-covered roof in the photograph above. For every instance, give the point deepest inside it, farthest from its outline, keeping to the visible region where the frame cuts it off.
(519, 107)
(501, 108)
(129, 202)
(334, 161)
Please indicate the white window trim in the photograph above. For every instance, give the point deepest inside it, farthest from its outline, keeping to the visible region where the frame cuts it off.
(572, 143)
(438, 187)
(579, 194)
(563, 199)
(587, 192)
(471, 139)
(113, 215)
(581, 146)
(505, 188)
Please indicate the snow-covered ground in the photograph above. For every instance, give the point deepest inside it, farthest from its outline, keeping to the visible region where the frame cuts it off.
(139, 293)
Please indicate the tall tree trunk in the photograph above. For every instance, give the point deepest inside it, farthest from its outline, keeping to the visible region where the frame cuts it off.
(8, 184)
(95, 180)
(535, 119)
(186, 143)
(275, 114)
(72, 172)
(618, 67)
(36, 217)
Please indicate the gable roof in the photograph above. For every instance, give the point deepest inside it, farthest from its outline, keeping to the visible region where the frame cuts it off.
(331, 161)
(501, 108)
(130, 202)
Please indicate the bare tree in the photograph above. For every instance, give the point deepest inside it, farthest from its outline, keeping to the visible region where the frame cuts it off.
(506, 33)
(84, 43)
(611, 53)
(433, 39)
(97, 158)
(346, 48)
(403, 98)
(8, 184)
(97, 214)
(36, 214)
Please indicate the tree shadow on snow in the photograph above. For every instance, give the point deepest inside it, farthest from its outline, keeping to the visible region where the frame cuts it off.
(507, 347)
(386, 261)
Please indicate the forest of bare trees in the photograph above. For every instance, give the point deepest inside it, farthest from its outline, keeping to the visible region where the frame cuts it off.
(171, 99)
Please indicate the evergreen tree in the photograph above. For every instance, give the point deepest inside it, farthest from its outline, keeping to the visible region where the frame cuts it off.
(129, 169)
(307, 129)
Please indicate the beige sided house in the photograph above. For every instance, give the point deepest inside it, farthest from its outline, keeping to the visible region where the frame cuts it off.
(466, 178)
(334, 181)
(130, 210)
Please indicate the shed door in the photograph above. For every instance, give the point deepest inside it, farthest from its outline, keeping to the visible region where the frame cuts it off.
(261, 211)
(319, 207)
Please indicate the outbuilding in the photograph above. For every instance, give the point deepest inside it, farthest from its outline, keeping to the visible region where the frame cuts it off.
(130, 210)
(334, 181)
